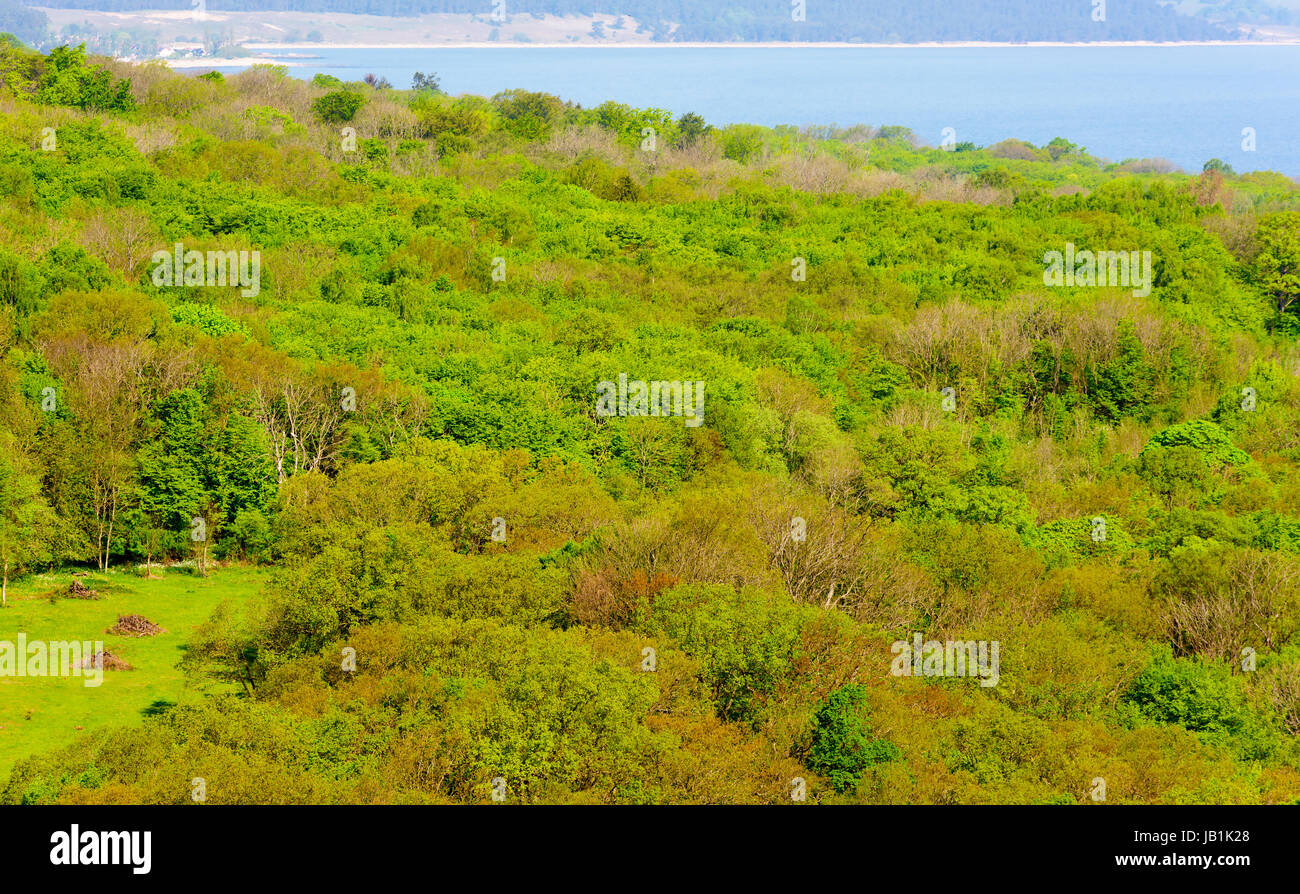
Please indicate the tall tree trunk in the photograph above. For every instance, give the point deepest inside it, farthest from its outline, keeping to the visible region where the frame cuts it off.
(4, 588)
(112, 517)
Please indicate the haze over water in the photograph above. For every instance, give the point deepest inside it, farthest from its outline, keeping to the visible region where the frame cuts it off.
(1184, 103)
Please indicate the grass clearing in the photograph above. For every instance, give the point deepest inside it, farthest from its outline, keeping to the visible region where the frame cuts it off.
(40, 714)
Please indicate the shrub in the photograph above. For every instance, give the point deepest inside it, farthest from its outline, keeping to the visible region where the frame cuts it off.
(1203, 698)
(842, 748)
(338, 107)
(68, 81)
(527, 114)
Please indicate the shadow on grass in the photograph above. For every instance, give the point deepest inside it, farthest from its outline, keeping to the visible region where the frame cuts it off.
(159, 706)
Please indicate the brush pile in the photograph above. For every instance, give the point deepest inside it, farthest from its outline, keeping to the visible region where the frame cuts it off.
(134, 625)
(78, 590)
(106, 660)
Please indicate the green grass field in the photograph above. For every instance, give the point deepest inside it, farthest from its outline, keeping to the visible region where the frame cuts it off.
(39, 714)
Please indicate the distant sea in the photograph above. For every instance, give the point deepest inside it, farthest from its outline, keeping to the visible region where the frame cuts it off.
(1187, 104)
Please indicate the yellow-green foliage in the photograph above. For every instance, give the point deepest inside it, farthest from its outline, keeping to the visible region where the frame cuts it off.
(473, 575)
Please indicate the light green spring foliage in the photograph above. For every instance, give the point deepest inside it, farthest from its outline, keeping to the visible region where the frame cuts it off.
(473, 576)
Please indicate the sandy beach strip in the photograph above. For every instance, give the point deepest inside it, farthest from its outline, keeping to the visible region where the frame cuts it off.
(771, 45)
(291, 54)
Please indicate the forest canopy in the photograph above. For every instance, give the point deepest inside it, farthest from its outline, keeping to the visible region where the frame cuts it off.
(474, 574)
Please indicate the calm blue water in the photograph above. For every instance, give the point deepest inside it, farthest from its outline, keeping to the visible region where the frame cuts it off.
(1187, 104)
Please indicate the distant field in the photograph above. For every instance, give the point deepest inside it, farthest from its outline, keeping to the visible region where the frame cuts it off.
(41, 714)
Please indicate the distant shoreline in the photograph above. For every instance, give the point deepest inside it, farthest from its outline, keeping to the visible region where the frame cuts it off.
(271, 49)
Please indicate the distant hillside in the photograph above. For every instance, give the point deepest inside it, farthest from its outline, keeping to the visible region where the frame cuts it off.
(26, 24)
(1243, 12)
(763, 20)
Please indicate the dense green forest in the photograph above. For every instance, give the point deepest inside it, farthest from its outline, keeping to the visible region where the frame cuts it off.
(482, 585)
(758, 20)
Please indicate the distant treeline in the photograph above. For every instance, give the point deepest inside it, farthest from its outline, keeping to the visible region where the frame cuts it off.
(757, 20)
(27, 24)
(1251, 12)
